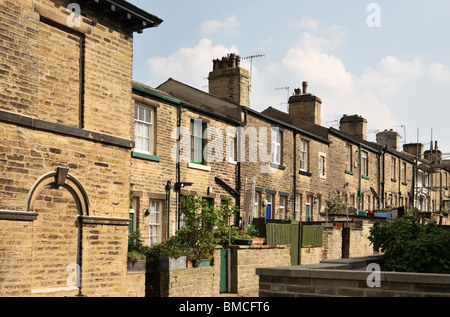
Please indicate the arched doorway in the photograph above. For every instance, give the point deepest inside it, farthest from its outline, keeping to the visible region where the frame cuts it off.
(59, 199)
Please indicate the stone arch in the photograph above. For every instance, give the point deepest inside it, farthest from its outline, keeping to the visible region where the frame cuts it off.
(56, 179)
(60, 178)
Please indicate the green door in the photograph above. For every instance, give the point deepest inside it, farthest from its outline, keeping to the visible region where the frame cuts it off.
(308, 212)
(223, 270)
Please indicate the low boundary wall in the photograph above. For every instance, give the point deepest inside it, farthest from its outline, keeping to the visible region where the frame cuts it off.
(348, 278)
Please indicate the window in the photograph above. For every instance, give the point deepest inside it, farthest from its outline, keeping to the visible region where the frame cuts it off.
(348, 158)
(298, 203)
(365, 164)
(276, 146)
(393, 163)
(322, 165)
(304, 156)
(309, 208)
(282, 207)
(154, 221)
(256, 205)
(197, 141)
(404, 173)
(144, 129)
(231, 149)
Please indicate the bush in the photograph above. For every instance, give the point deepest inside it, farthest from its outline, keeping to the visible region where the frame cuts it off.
(411, 246)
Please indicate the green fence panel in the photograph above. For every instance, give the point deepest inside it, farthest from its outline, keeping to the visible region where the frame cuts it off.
(278, 233)
(312, 235)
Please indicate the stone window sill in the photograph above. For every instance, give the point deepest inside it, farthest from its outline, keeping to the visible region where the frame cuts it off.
(199, 167)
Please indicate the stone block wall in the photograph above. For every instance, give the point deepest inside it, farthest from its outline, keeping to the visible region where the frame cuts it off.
(349, 278)
(65, 103)
(246, 259)
(204, 281)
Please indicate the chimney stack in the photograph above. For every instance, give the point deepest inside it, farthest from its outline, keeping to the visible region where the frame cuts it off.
(390, 139)
(415, 149)
(355, 126)
(305, 106)
(228, 80)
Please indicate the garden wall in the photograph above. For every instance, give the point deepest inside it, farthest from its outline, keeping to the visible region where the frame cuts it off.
(348, 278)
(204, 281)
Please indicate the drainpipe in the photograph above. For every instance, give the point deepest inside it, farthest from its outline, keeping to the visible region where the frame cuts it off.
(360, 175)
(295, 170)
(178, 166)
(239, 184)
(169, 187)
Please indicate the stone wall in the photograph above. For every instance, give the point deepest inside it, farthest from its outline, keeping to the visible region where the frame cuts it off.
(65, 105)
(204, 281)
(348, 278)
(246, 259)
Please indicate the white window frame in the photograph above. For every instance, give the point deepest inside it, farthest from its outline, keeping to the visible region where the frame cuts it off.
(304, 153)
(348, 157)
(298, 204)
(154, 221)
(256, 205)
(276, 146)
(282, 207)
(365, 163)
(144, 129)
(322, 165)
(393, 167)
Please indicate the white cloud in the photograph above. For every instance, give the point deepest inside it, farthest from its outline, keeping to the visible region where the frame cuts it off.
(439, 73)
(188, 65)
(228, 26)
(307, 23)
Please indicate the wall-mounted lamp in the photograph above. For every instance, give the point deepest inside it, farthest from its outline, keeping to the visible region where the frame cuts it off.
(181, 185)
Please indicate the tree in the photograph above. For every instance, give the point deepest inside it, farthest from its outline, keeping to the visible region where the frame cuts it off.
(337, 204)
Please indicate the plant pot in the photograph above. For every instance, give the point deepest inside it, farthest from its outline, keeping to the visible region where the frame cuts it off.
(243, 241)
(172, 263)
(258, 241)
(189, 263)
(202, 263)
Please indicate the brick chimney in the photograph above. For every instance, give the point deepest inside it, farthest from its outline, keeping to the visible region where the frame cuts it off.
(389, 138)
(305, 106)
(413, 149)
(355, 126)
(228, 80)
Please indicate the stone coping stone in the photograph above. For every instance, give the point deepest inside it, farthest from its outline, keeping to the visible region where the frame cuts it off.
(345, 269)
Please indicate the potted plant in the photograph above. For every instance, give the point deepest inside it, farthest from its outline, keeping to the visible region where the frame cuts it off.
(136, 257)
(256, 239)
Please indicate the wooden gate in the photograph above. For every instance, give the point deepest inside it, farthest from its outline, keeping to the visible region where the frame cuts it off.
(223, 285)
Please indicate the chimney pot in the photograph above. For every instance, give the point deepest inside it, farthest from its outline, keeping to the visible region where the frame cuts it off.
(305, 87)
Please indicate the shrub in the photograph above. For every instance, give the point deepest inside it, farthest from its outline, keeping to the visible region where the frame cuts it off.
(337, 204)
(411, 246)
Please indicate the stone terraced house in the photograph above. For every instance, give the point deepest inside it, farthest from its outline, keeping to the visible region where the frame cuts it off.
(87, 155)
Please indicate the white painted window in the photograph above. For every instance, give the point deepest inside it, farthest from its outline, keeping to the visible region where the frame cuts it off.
(304, 156)
(144, 129)
(154, 221)
(276, 146)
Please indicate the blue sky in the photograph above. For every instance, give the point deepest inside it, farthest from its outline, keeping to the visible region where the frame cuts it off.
(394, 74)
